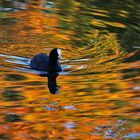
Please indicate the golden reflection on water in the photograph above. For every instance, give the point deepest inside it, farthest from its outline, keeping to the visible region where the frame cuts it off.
(99, 95)
(88, 106)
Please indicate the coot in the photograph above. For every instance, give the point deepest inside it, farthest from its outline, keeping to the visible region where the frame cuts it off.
(49, 63)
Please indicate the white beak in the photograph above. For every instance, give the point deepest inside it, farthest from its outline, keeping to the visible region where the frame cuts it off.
(59, 54)
(60, 57)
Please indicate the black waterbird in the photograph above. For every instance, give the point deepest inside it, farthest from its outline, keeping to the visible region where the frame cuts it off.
(47, 63)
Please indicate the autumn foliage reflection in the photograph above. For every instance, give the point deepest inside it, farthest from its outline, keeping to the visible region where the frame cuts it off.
(99, 96)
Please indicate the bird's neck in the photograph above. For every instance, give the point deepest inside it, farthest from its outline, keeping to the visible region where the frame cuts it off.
(53, 61)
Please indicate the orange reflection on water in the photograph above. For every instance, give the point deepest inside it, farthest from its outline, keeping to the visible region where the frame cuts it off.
(99, 94)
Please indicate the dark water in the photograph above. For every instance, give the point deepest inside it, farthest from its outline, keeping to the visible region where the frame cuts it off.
(100, 85)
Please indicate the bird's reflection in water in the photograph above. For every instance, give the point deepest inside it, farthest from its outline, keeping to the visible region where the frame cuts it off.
(52, 83)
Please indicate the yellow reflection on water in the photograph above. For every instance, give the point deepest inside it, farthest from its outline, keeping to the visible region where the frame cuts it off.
(99, 93)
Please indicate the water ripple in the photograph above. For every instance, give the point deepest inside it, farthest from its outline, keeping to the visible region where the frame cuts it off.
(68, 66)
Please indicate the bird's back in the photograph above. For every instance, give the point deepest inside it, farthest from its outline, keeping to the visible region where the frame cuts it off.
(40, 62)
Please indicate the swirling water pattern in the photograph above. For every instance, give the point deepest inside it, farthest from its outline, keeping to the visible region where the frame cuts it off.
(99, 86)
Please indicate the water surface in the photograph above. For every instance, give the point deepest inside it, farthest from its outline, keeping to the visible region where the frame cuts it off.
(100, 85)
